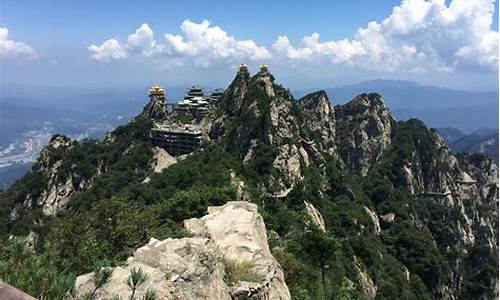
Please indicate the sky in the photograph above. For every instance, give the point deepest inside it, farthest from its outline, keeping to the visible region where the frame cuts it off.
(307, 44)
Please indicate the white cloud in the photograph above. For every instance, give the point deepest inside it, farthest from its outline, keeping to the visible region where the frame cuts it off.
(202, 44)
(140, 42)
(337, 51)
(418, 35)
(208, 44)
(13, 49)
(143, 41)
(109, 50)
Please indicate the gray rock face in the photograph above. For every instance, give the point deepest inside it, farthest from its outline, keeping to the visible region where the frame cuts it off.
(188, 268)
(263, 115)
(319, 118)
(234, 95)
(238, 231)
(374, 218)
(156, 109)
(194, 268)
(280, 130)
(315, 216)
(161, 160)
(364, 127)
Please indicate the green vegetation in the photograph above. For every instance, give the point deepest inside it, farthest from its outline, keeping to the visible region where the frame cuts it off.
(103, 224)
(134, 280)
(241, 271)
(44, 275)
(100, 277)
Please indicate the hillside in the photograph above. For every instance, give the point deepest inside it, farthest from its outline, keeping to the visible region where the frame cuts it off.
(346, 202)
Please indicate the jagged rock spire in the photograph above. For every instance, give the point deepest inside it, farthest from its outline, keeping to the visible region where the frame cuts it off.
(157, 107)
(232, 99)
(267, 80)
(364, 127)
(319, 118)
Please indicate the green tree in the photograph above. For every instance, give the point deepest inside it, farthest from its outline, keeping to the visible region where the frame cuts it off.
(135, 279)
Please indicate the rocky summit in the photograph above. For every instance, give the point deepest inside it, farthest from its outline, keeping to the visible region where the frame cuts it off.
(305, 200)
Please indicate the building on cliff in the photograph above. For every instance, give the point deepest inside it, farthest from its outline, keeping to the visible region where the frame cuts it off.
(243, 70)
(176, 139)
(167, 133)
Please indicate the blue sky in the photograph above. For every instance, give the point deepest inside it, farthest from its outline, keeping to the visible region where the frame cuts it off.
(320, 44)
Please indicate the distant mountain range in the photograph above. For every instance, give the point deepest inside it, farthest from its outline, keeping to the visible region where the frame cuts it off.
(438, 107)
(484, 140)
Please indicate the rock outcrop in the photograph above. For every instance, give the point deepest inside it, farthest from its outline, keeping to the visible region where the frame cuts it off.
(364, 128)
(315, 216)
(262, 116)
(156, 109)
(319, 118)
(234, 95)
(11, 293)
(56, 181)
(162, 160)
(195, 267)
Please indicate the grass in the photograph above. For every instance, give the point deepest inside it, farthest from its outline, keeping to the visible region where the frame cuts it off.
(241, 271)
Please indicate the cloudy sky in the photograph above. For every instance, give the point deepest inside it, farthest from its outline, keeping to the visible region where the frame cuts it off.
(453, 43)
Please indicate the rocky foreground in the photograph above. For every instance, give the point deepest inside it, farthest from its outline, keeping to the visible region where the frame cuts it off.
(197, 267)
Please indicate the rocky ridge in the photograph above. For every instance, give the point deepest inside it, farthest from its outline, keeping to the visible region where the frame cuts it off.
(60, 186)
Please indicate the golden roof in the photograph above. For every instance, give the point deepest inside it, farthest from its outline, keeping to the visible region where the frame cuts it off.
(263, 67)
(156, 90)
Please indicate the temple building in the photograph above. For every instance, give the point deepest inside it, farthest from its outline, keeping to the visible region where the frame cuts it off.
(194, 92)
(194, 104)
(215, 96)
(243, 70)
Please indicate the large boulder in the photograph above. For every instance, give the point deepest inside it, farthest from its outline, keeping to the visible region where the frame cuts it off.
(198, 267)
